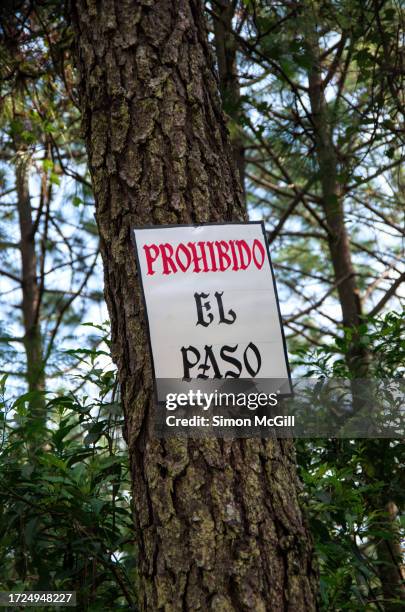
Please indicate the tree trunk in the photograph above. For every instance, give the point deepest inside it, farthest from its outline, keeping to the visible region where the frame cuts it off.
(390, 559)
(332, 203)
(218, 522)
(388, 550)
(226, 47)
(30, 287)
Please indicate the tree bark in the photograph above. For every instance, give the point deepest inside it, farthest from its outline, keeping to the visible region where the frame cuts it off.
(332, 203)
(390, 559)
(226, 48)
(218, 523)
(358, 360)
(30, 287)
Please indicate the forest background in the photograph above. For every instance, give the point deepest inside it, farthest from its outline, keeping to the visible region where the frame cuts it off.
(314, 97)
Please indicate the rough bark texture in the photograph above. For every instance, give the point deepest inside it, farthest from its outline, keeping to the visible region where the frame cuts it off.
(30, 286)
(218, 522)
(226, 47)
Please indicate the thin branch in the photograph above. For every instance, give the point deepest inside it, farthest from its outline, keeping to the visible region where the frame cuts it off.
(389, 294)
(11, 276)
(321, 300)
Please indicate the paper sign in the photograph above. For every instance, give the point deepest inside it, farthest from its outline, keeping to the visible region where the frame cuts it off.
(211, 302)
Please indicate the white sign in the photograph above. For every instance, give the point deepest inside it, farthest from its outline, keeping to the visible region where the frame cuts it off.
(211, 302)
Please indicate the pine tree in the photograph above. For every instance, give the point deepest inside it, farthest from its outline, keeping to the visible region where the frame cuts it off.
(218, 522)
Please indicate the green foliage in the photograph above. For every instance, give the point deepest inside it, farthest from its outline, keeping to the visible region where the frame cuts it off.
(348, 483)
(384, 339)
(65, 521)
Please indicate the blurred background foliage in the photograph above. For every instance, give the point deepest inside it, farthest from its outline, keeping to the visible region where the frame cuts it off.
(314, 97)
(65, 517)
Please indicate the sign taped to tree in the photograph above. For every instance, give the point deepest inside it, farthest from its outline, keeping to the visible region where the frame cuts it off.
(211, 303)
